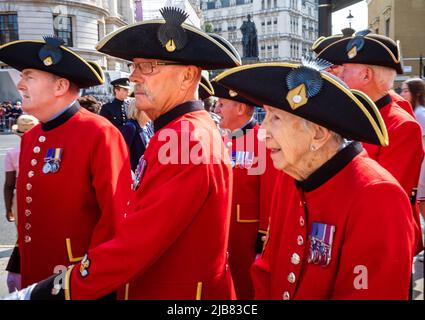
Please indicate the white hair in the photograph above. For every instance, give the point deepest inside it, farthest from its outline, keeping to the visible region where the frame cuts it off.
(384, 77)
(335, 136)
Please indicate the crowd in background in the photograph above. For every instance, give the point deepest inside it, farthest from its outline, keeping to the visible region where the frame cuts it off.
(9, 112)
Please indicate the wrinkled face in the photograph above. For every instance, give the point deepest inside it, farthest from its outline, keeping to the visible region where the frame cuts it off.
(121, 93)
(350, 73)
(37, 90)
(228, 112)
(157, 89)
(405, 93)
(288, 138)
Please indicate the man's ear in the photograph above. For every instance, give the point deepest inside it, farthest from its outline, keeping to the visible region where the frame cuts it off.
(367, 75)
(241, 108)
(61, 86)
(191, 76)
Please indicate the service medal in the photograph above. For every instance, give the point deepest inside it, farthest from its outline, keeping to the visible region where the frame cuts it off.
(321, 239)
(47, 167)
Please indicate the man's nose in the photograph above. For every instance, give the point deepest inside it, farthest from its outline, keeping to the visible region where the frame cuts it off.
(20, 85)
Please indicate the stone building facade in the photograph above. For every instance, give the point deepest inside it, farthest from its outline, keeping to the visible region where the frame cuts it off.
(286, 29)
(81, 23)
(402, 20)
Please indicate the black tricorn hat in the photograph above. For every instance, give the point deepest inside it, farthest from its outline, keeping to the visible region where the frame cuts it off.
(362, 47)
(310, 94)
(52, 56)
(205, 89)
(122, 83)
(169, 39)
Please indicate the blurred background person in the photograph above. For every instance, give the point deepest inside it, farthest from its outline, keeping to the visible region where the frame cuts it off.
(253, 183)
(370, 63)
(116, 110)
(413, 90)
(11, 166)
(90, 103)
(137, 131)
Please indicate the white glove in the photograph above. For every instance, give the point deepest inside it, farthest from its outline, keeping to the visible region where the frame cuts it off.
(24, 294)
(13, 281)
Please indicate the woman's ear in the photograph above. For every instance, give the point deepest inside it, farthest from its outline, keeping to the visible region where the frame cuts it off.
(320, 136)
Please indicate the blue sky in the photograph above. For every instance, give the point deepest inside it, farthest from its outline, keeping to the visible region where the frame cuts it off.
(359, 11)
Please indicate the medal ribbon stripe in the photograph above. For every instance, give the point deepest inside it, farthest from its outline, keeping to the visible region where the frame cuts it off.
(58, 154)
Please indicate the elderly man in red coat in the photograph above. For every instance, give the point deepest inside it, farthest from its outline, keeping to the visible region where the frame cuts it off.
(369, 62)
(172, 242)
(74, 174)
(253, 182)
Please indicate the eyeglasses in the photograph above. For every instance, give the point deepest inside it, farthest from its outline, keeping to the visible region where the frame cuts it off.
(147, 67)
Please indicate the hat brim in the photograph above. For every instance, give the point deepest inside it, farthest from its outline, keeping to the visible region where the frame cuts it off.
(124, 87)
(222, 92)
(140, 41)
(205, 89)
(377, 51)
(23, 54)
(335, 107)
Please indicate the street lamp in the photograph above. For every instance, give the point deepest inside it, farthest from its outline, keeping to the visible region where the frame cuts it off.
(348, 32)
(350, 18)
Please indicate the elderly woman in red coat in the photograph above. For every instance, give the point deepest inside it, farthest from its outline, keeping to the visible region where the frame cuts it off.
(341, 226)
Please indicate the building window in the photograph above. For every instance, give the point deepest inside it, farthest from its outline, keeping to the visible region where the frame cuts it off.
(387, 27)
(8, 27)
(232, 36)
(62, 26)
(120, 8)
(100, 30)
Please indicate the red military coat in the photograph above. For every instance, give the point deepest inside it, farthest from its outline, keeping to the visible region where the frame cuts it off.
(253, 181)
(370, 254)
(62, 214)
(173, 241)
(401, 102)
(403, 156)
